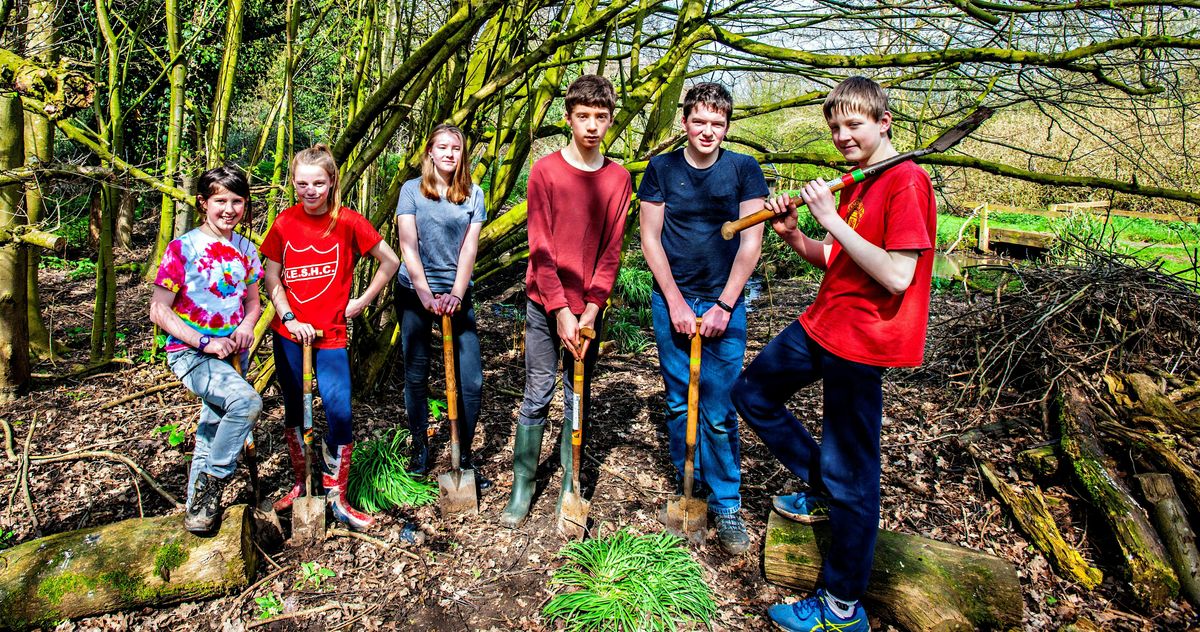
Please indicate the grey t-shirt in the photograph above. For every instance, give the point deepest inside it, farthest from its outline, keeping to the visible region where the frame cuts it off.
(441, 228)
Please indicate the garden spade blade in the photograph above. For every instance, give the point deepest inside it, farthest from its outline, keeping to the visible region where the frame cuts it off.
(456, 489)
(308, 511)
(687, 517)
(572, 518)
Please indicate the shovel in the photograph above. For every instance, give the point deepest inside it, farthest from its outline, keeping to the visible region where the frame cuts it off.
(269, 532)
(308, 511)
(456, 489)
(572, 518)
(948, 139)
(687, 517)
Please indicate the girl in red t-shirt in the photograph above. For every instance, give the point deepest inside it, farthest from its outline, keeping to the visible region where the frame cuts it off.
(309, 256)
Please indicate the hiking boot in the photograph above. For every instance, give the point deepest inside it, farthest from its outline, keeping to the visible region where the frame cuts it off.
(418, 453)
(296, 448)
(526, 450)
(482, 482)
(202, 514)
(815, 614)
(801, 507)
(336, 481)
(731, 532)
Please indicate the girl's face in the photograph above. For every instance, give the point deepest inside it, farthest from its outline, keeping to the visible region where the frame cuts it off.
(312, 188)
(445, 153)
(223, 209)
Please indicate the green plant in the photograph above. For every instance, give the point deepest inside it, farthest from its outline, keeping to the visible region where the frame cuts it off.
(436, 406)
(6, 538)
(175, 434)
(630, 583)
(269, 606)
(313, 574)
(628, 330)
(379, 477)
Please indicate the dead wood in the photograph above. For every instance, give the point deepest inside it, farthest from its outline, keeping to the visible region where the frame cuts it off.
(1041, 461)
(140, 394)
(1161, 455)
(111, 456)
(1028, 508)
(8, 441)
(1177, 535)
(1144, 394)
(919, 583)
(1153, 580)
(130, 564)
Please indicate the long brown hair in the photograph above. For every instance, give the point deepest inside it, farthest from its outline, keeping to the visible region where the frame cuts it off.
(460, 183)
(319, 156)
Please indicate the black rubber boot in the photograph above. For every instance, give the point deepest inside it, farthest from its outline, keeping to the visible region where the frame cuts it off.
(418, 453)
(482, 482)
(565, 456)
(526, 449)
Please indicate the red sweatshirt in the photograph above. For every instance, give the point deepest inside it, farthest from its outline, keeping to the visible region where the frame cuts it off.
(576, 222)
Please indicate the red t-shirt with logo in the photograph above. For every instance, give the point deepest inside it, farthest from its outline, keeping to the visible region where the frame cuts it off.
(318, 269)
(853, 316)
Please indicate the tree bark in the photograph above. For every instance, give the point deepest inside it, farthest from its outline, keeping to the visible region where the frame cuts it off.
(1177, 535)
(131, 564)
(168, 205)
(218, 126)
(14, 327)
(919, 583)
(1151, 576)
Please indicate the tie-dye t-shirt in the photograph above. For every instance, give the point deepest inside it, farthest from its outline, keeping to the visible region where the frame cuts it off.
(209, 277)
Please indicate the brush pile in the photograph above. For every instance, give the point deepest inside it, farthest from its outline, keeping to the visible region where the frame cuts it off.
(1109, 349)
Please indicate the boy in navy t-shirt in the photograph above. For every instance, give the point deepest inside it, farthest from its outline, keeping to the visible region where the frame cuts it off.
(686, 196)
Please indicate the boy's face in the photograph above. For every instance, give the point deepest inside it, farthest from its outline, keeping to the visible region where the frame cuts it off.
(705, 128)
(589, 124)
(858, 136)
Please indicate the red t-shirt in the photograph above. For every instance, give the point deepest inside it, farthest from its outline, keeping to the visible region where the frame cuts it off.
(318, 269)
(576, 221)
(853, 316)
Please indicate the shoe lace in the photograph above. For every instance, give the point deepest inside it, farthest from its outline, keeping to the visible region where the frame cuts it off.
(731, 523)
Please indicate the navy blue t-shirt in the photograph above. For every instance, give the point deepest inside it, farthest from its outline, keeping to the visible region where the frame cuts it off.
(698, 202)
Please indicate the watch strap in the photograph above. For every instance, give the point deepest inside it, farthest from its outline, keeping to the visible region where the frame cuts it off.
(724, 306)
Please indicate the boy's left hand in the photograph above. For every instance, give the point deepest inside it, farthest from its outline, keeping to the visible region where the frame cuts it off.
(820, 202)
(243, 336)
(356, 306)
(714, 322)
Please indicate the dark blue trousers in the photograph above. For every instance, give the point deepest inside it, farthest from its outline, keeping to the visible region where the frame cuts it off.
(845, 466)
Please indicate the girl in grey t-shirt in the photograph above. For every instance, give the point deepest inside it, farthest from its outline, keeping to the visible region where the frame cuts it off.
(439, 216)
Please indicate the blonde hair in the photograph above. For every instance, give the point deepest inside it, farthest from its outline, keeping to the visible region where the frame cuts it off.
(319, 156)
(858, 95)
(460, 182)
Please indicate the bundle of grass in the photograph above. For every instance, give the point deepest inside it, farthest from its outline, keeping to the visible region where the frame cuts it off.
(379, 477)
(630, 583)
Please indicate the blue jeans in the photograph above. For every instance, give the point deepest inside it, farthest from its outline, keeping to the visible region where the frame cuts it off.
(416, 339)
(332, 369)
(845, 467)
(230, 409)
(718, 452)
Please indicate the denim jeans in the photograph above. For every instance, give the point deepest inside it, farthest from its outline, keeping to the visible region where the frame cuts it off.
(718, 452)
(416, 340)
(845, 466)
(542, 353)
(332, 369)
(230, 409)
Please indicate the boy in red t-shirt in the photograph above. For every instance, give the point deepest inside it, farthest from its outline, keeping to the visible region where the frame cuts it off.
(870, 313)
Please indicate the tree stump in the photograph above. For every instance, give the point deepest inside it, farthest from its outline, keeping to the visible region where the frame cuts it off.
(919, 583)
(130, 564)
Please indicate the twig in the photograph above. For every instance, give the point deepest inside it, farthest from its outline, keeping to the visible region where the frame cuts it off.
(150, 391)
(256, 585)
(345, 533)
(23, 478)
(112, 456)
(8, 444)
(268, 557)
(293, 615)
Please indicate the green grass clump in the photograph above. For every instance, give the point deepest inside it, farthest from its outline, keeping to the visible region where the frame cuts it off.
(630, 583)
(379, 477)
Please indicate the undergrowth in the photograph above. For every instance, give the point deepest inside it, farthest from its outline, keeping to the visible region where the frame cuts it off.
(630, 583)
(379, 477)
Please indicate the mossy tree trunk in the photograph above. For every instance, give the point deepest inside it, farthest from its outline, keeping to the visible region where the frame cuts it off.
(130, 564)
(218, 125)
(168, 206)
(14, 328)
(919, 583)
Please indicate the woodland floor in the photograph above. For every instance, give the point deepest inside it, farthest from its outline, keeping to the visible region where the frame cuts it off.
(473, 575)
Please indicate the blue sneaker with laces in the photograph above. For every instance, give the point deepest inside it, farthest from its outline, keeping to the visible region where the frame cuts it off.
(814, 615)
(801, 507)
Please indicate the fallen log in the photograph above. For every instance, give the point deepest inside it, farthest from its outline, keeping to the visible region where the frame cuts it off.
(1161, 455)
(1140, 391)
(1177, 535)
(1041, 461)
(130, 564)
(1150, 574)
(1028, 508)
(919, 583)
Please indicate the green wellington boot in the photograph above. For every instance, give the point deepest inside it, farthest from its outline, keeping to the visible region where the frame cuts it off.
(565, 455)
(526, 449)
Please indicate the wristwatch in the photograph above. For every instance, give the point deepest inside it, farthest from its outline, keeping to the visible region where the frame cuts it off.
(286, 317)
(204, 340)
(723, 306)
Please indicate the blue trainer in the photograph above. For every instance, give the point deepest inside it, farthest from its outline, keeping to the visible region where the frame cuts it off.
(813, 615)
(801, 507)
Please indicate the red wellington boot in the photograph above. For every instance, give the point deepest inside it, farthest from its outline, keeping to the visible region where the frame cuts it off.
(295, 443)
(336, 481)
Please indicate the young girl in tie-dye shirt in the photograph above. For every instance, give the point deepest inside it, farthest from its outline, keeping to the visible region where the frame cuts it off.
(206, 300)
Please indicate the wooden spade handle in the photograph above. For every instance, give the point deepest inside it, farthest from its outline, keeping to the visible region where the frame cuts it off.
(451, 390)
(730, 229)
(693, 412)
